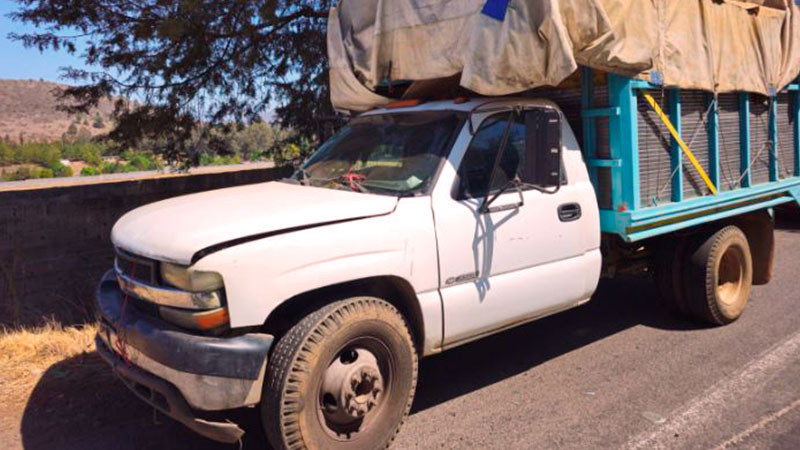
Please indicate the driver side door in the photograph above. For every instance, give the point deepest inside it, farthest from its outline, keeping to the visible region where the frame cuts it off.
(519, 259)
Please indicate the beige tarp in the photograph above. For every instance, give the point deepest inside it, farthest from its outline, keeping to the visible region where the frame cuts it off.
(714, 45)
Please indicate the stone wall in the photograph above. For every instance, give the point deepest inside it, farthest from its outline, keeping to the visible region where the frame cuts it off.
(54, 240)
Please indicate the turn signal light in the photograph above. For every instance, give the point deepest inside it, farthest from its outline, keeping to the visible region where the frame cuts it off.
(211, 319)
(205, 320)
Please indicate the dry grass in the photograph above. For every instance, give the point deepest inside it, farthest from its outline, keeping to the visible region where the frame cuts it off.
(54, 384)
(57, 392)
(27, 353)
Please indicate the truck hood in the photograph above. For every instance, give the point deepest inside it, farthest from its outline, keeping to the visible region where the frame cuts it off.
(175, 229)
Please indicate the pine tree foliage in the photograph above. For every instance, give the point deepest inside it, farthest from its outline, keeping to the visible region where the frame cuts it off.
(189, 64)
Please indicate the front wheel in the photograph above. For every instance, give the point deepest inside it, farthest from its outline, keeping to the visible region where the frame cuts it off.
(342, 378)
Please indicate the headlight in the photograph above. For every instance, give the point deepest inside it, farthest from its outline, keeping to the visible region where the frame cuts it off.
(190, 280)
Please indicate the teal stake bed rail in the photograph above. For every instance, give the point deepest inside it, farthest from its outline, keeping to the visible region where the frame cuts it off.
(634, 218)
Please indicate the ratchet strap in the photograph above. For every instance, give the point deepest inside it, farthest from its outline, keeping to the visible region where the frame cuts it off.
(680, 142)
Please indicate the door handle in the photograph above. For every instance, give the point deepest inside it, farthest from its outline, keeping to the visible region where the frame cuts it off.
(569, 212)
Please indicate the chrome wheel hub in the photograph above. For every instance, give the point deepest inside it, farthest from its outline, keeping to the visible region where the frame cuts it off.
(351, 387)
(730, 276)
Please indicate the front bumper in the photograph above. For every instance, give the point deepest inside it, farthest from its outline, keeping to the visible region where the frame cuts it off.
(176, 371)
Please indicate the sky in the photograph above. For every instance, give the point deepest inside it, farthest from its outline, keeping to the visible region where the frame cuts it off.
(18, 62)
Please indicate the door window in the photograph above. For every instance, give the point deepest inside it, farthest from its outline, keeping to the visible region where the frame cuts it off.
(524, 157)
(475, 170)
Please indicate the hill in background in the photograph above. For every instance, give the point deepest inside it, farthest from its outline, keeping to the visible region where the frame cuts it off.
(28, 113)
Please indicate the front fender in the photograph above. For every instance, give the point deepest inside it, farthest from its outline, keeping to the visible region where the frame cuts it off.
(260, 275)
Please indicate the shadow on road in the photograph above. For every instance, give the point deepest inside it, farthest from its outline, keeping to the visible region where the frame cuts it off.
(617, 305)
(787, 218)
(80, 404)
(70, 409)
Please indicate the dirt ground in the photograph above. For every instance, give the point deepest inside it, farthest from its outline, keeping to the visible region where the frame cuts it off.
(58, 393)
(43, 373)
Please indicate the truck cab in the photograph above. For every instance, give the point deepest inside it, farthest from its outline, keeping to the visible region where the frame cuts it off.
(417, 228)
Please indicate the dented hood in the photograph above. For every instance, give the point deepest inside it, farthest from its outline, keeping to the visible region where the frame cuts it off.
(177, 228)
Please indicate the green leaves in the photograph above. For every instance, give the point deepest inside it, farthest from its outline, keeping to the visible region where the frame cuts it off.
(192, 63)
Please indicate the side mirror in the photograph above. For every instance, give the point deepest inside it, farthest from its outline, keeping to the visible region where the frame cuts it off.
(544, 147)
(552, 151)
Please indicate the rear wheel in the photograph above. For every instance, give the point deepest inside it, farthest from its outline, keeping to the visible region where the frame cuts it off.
(342, 378)
(718, 276)
(669, 274)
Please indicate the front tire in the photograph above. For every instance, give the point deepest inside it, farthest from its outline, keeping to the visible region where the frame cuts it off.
(341, 378)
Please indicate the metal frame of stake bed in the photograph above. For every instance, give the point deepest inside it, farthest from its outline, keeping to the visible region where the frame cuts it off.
(626, 215)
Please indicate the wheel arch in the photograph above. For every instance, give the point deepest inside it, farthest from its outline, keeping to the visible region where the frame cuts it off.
(758, 227)
(394, 289)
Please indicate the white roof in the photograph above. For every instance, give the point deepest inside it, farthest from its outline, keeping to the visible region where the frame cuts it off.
(469, 105)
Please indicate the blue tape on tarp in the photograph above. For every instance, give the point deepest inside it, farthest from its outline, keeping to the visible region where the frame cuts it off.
(656, 77)
(496, 9)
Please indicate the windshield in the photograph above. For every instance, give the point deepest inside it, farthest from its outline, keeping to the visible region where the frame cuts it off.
(395, 154)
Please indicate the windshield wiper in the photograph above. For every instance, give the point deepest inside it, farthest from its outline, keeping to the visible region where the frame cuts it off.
(300, 176)
(305, 180)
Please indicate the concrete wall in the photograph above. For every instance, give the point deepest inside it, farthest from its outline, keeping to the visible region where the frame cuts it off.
(54, 239)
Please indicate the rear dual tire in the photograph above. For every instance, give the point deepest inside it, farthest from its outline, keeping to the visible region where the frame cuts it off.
(707, 277)
(719, 276)
(669, 276)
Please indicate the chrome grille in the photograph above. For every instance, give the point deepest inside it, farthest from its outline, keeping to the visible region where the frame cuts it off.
(139, 277)
(136, 267)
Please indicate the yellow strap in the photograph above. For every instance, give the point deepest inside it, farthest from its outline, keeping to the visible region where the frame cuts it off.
(680, 142)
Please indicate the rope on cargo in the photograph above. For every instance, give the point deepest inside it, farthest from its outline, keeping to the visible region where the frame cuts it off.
(785, 169)
(724, 161)
(768, 144)
(681, 144)
(697, 129)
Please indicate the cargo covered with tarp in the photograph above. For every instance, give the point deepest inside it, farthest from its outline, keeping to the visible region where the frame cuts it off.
(502, 47)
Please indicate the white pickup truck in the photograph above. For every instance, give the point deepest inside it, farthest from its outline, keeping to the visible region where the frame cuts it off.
(417, 228)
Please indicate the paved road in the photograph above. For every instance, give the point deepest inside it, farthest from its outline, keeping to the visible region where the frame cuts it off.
(618, 372)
